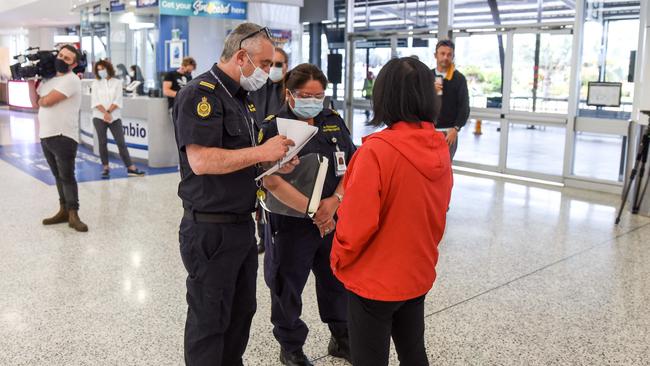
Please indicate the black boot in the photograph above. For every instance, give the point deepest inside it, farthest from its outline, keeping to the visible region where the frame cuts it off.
(340, 347)
(296, 358)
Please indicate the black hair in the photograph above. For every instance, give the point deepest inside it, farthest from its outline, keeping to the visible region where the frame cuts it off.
(403, 92)
(73, 49)
(299, 75)
(446, 43)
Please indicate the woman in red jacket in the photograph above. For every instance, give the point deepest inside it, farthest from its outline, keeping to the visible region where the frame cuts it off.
(397, 190)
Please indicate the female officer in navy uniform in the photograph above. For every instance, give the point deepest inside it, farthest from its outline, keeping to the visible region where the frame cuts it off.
(301, 245)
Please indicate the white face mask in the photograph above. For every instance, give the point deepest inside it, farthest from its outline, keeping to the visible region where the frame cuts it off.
(102, 74)
(254, 82)
(276, 74)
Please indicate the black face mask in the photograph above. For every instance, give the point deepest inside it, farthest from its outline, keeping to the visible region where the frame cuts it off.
(61, 66)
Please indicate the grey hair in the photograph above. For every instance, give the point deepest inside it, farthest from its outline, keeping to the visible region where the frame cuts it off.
(231, 45)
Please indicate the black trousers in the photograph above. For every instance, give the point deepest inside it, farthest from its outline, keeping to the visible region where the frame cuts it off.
(221, 262)
(291, 254)
(118, 136)
(372, 323)
(60, 153)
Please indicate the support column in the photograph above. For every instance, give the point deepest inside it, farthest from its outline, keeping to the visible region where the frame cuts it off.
(641, 103)
(445, 19)
(574, 91)
(349, 65)
(315, 32)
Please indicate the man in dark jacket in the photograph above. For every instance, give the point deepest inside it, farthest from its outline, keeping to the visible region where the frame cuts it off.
(451, 88)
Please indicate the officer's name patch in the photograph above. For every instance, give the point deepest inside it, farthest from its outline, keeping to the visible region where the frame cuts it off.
(207, 85)
(331, 128)
(204, 108)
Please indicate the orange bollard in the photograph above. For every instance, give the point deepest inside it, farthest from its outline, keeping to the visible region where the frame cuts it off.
(477, 128)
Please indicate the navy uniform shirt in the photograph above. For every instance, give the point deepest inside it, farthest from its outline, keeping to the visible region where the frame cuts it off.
(204, 114)
(268, 100)
(331, 127)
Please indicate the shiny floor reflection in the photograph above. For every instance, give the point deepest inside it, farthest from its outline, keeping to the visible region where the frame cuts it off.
(528, 275)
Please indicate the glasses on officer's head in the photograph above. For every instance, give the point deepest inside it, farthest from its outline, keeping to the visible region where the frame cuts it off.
(264, 30)
(301, 94)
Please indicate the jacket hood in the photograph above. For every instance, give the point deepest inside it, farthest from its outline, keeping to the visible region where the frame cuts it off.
(424, 147)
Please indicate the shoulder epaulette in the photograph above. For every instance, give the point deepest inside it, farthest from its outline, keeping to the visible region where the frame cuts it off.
(207, 86)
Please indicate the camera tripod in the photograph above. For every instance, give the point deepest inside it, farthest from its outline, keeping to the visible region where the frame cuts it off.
(639, 167)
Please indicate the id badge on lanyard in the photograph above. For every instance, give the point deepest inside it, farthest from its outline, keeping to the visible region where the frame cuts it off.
(340, 167)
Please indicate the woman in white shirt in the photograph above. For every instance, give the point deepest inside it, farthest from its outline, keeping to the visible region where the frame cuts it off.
(106, 100)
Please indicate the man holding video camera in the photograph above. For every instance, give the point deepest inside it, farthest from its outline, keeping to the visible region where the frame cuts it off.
(59, 99)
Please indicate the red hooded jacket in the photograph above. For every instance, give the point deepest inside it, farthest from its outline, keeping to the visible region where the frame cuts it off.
(397, 191)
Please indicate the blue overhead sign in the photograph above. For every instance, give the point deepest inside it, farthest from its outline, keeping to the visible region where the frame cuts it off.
(205, 8)
(117, 5)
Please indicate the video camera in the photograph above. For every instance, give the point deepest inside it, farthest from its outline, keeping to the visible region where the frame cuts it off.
(40, 64)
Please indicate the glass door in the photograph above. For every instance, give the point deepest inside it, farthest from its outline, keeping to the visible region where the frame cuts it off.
(539, 72)
(478, 58)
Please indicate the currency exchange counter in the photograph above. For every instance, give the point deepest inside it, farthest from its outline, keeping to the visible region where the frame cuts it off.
(148, 132)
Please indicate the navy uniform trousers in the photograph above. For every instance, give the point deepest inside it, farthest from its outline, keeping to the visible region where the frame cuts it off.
(289, 257)
(221, 262)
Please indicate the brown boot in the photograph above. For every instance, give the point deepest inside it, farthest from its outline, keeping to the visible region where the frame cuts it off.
(59, 218)
(75, 222)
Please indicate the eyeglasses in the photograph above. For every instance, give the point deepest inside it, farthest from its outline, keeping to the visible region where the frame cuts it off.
(300, 94)
(265, 30)
(278, 64)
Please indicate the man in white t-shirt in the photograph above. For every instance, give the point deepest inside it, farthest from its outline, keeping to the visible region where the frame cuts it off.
(58, 116)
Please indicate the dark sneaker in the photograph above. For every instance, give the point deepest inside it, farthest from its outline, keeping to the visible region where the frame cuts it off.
(135, 172)
(340, 347)
(106, 174)
(296, 358)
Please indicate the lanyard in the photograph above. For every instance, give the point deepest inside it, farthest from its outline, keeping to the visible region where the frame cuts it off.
(250, 127)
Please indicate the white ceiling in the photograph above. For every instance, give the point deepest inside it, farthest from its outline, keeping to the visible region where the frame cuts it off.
(37, 13)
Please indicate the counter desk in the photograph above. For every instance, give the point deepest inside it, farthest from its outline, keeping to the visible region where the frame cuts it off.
(148, 132)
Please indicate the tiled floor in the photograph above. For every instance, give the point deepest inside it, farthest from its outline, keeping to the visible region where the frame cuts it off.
(528, 275)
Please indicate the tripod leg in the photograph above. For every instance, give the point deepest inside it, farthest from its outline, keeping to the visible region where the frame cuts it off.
(639, 201)
(638, 195)
(627, 192)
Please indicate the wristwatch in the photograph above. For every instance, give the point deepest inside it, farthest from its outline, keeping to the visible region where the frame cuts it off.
(457, 128)
(339, 197)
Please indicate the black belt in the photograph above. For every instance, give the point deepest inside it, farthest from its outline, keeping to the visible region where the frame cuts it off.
(215, 218)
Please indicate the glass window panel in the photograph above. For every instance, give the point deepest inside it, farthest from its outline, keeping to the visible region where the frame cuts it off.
(552, 92)
(479, 149)
(598, 156)
(537, 148)
(477, 57)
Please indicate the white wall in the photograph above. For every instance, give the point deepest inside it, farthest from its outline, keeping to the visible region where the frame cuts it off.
(284, 17)
(206, 39)
(42, 37)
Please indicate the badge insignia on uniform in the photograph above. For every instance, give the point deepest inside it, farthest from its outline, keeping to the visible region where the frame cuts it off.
(331, 128)
(260, 136)
(251, 107)
(204, 108)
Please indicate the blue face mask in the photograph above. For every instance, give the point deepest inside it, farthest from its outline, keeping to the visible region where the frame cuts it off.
(307, 107)
(102, 74)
